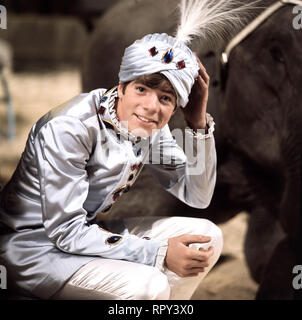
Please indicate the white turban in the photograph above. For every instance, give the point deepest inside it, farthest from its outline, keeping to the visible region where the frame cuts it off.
(151, 54)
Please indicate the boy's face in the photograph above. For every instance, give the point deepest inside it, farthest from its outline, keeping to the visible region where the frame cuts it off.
(143, 109)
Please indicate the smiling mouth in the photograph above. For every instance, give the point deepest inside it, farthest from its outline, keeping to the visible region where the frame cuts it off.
(145, 119)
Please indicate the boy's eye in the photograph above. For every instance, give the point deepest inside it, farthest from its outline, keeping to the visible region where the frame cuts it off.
(166, 98)
(140, 89)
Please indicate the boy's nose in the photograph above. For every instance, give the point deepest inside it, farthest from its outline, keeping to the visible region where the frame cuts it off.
(152, 103)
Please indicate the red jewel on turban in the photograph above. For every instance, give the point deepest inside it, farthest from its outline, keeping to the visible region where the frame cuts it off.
(181, 64)
(153, 51)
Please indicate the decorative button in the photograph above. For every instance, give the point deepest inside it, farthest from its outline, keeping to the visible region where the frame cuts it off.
(139, 152)
(118, 192)
(102, 110)
(109, 125)
(106, 209)
(113, 240)
(116, 196)
(131, 177)
(134, 167)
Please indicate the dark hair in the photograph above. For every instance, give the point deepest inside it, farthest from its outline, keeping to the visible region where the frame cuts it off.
(153, 81)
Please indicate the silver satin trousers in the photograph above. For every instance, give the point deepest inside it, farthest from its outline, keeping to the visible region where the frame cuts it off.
(108, 279)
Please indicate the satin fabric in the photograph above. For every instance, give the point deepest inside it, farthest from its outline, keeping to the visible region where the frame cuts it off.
(107, 279)
(68, 172)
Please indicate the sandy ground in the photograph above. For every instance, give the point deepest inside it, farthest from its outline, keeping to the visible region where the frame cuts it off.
(33, 94)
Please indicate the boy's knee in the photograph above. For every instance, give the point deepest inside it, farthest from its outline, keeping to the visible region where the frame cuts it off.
(215, 233)
(154, 287)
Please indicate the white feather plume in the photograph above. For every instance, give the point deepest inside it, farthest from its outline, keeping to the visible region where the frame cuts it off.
(211, 18)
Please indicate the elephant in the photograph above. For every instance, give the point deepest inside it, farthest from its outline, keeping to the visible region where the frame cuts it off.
(255, 101)
(260, 159)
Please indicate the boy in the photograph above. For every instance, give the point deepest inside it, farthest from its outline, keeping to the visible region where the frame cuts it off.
(81, 157)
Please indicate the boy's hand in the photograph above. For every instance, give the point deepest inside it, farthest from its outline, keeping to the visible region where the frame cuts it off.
(186, 261)
(195, 110)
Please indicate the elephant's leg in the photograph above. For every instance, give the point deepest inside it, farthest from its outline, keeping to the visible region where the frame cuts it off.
(277, 279)
(263, 234)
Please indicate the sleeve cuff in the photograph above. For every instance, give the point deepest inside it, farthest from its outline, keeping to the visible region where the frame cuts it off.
(202, 134)
(161, 254)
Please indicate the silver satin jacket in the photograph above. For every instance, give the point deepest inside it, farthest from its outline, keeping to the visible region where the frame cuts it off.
(77, 161)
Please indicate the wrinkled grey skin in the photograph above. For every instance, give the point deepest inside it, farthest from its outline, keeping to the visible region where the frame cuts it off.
(260, 159)
(257, 110)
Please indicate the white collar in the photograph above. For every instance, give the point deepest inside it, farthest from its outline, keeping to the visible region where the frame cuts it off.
(108, 102)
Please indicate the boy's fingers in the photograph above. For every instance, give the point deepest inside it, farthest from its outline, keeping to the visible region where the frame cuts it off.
(209, 252)
(188, 239)
(201, 255)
